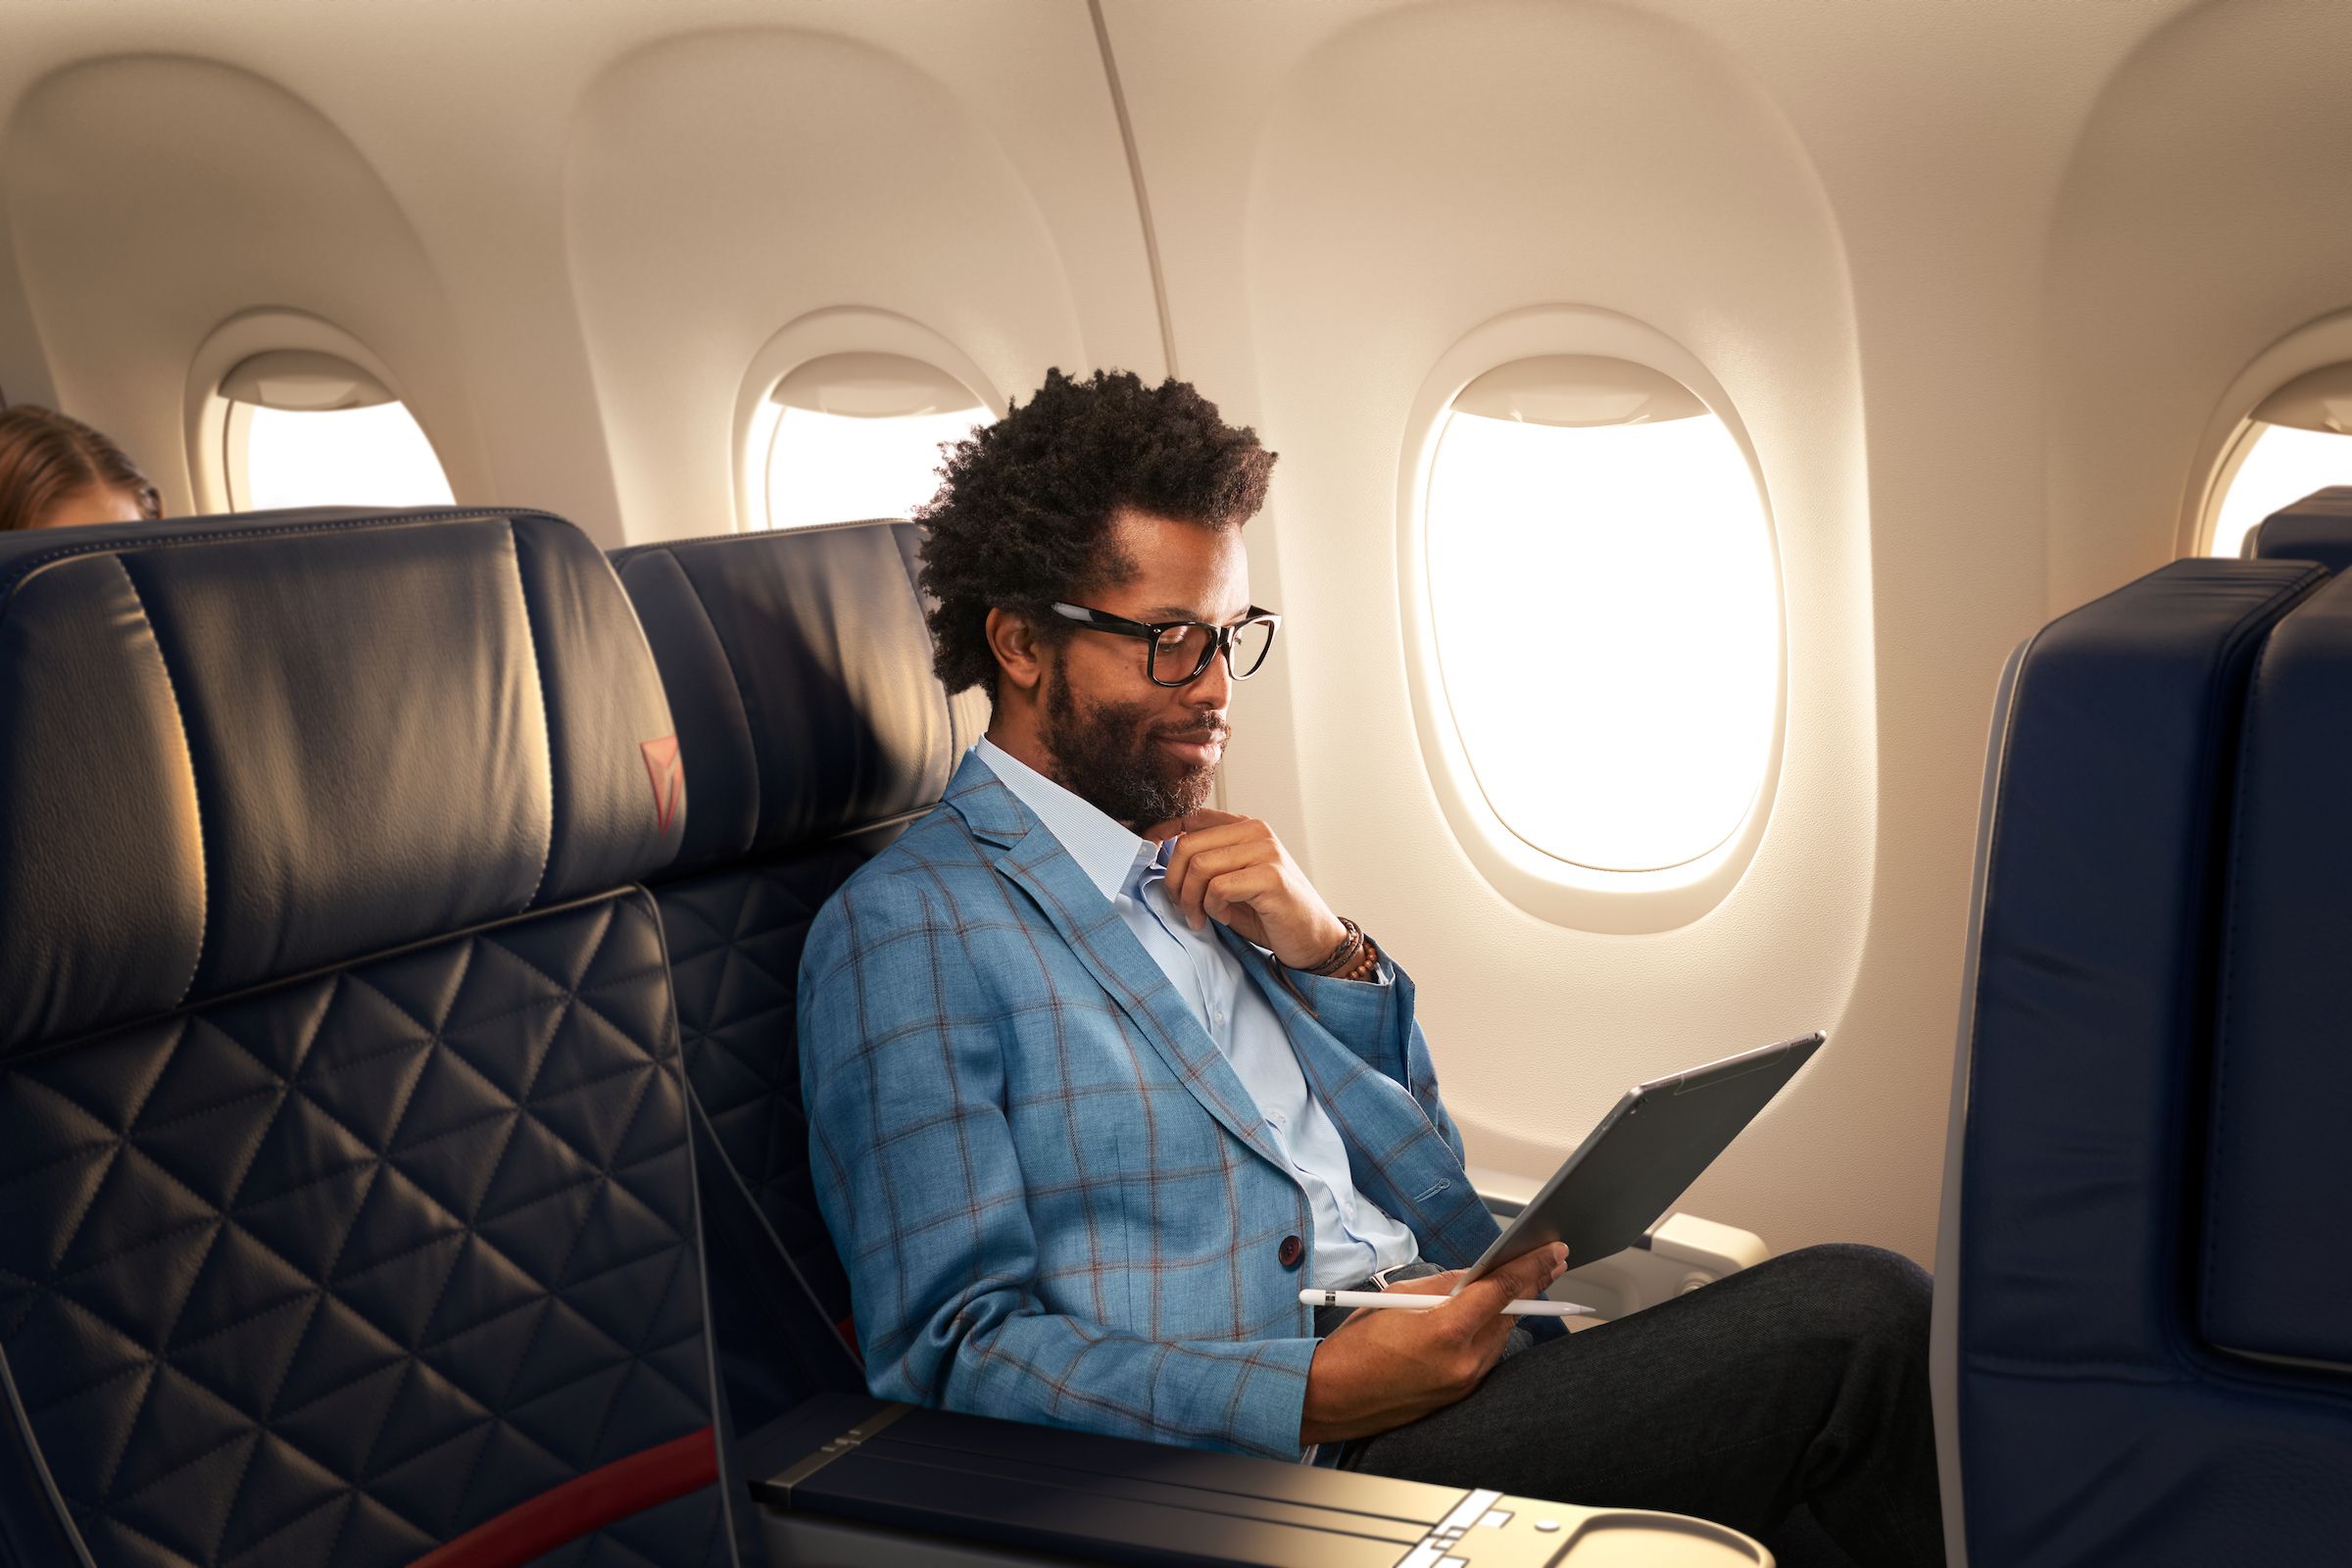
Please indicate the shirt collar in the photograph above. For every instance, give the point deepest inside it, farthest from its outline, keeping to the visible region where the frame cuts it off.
(1112, 859)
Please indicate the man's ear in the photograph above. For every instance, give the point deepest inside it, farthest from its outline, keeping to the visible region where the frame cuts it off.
(1020, 657)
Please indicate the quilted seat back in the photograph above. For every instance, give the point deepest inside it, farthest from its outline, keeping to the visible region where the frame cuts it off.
(812, 731)
(347, 1190)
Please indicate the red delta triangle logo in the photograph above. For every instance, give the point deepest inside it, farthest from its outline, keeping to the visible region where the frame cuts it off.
(670, 784)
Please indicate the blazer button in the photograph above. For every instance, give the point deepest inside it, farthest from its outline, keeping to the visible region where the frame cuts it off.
(1293, 1249)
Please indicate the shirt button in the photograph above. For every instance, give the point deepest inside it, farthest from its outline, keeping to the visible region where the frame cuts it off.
(1291, 1250)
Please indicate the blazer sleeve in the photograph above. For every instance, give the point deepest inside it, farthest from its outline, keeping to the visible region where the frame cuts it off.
(921, 1185)
(1374, 1021)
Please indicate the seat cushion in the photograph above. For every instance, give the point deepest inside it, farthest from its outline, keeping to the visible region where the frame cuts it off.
(735, 941)
(2275, 1281)
(338, 1270)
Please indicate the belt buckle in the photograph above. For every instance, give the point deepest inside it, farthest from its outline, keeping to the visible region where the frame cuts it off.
(1380, 1278)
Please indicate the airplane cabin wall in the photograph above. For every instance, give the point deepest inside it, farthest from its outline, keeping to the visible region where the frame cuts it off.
(1976, 280)
(944, 172)
(152, 199)
(2203, 227)
(414, 175)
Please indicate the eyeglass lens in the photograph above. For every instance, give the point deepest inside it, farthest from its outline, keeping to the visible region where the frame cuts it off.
(1183, 652)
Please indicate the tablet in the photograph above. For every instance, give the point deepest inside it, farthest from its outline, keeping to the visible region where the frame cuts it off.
(1645, 1154)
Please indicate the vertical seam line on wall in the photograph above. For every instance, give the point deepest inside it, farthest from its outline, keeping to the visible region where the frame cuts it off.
(1135, 176)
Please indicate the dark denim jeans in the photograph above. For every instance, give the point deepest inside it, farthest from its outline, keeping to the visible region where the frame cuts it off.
(1802, 1380)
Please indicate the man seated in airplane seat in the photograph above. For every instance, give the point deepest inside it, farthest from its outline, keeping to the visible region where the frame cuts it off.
(56, 471)
(1096, 1081)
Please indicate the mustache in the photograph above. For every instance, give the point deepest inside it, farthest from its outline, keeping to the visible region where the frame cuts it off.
(1193, 734)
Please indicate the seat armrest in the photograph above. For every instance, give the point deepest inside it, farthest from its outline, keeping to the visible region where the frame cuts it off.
(859, 1479)
(1713, 1248)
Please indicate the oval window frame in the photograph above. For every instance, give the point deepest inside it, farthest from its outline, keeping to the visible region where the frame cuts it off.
(2229, 433)
(1557, 890)
(835, 330)
(215, 448)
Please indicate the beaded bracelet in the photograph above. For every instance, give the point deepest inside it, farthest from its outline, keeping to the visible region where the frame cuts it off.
(1365, 967)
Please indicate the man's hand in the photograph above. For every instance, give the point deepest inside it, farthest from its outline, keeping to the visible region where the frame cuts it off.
(1384, 1368)
(1233, 870)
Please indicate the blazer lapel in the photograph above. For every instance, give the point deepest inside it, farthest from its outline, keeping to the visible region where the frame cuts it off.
(1396, 1154)
(1035, 861)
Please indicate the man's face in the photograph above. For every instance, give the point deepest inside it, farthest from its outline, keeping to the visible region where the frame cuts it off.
(1141, 752)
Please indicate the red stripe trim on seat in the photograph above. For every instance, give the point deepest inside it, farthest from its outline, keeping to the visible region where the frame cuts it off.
(587, 1503)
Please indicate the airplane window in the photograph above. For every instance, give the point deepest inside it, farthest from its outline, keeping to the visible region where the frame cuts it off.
(2301, 442)
(858, 435)
(308, 429)
(1606, 610)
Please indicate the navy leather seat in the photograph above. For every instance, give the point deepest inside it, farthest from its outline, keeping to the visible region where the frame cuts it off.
(2274, 1284)
(347, 1204)
(2317, 527)
(811, 731)
(2142, 1352)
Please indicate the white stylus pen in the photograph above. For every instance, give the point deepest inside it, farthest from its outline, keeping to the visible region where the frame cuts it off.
(1410, 1301)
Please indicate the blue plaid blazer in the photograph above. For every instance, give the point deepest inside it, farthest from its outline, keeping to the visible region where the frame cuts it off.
(1055, 1201)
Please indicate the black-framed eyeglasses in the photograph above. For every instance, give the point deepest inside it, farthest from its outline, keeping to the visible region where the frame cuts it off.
(1182, 649)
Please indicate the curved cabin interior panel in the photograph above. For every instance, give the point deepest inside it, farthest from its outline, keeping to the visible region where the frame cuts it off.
(773, 773)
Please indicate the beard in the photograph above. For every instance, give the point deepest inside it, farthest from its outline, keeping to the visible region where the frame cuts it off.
(1106, 756)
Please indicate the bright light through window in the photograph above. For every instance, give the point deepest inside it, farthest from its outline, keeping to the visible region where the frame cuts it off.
(2282, 466)
(830, 467)
(1607, 622)
(371, 457)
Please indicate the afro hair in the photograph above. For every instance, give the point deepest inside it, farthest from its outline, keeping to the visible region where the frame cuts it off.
(1025, 505)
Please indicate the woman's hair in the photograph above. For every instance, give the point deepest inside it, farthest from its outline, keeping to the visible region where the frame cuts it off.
(47, 457)
(1025, 505)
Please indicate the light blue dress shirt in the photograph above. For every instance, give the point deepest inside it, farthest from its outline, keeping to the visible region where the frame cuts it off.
(1353, 1237)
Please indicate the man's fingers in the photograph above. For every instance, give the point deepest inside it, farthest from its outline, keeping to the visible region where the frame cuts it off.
(1236, 887)
(1429, 1284)
(1521, 1279)
(1185, 861)
(1203, 866)
(1206, 867)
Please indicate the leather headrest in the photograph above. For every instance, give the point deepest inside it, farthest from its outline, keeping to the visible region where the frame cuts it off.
(800, 670)
(244, 748)
(2317, 527)
(2100, 891)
